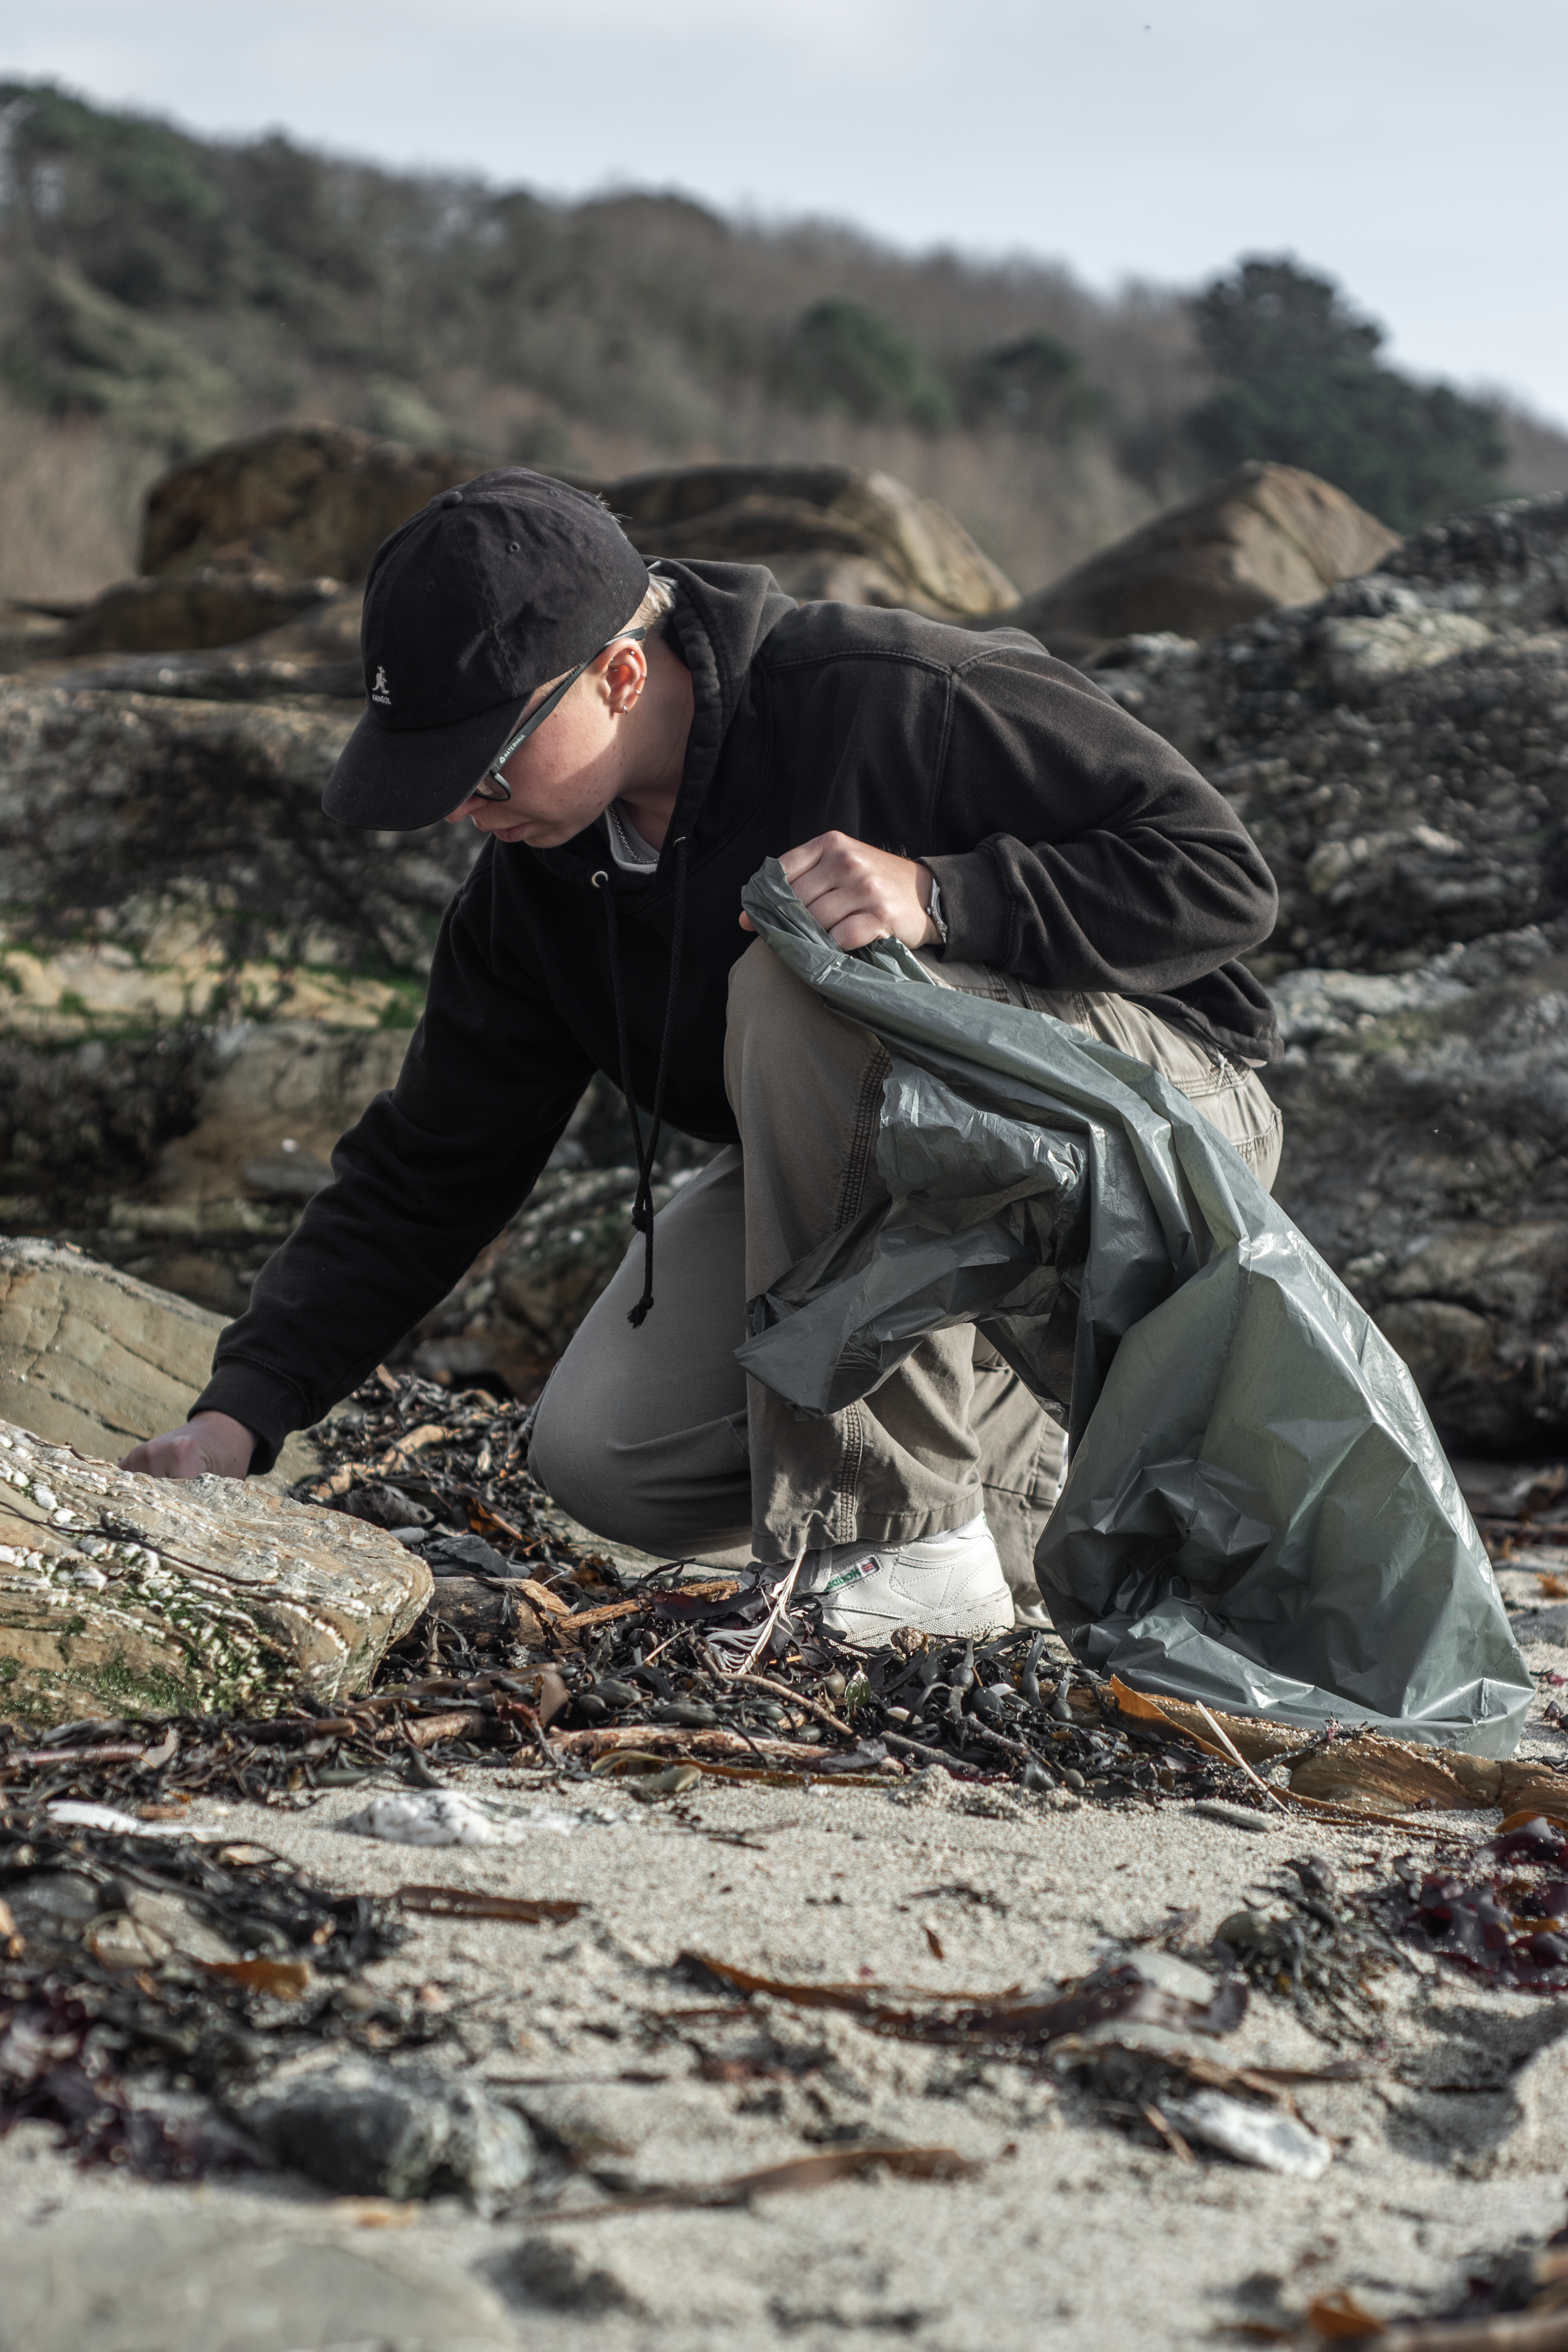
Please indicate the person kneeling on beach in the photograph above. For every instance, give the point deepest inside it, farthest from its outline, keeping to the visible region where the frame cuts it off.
(633, 745)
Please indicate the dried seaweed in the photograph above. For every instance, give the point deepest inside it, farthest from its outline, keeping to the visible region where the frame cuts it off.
(800, 2172)
(1505, 1916)
(1117, 1992)
(473, 1903)
(539, 1649)
(450, 1468)
(405, 1453)
(1304, 1939)
(140, 1985)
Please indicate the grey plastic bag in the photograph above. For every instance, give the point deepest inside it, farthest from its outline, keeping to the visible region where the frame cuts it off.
(1256, 1513)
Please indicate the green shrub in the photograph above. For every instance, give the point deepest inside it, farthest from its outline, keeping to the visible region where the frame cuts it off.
(79, 349)
(1039, 383)
(843, 355)
(1301, 382)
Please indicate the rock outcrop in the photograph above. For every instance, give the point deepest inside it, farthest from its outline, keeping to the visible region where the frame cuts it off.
(1427, 1121)
(1266, 536)
(282, 1093)
(167, 861)
(198, 972)
(1400, 752)
(188, 944)
(124, 1595)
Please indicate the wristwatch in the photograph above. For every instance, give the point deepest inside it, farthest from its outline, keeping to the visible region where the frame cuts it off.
(934, 909)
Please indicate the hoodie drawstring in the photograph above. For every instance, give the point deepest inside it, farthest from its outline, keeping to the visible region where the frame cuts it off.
(642, 1203)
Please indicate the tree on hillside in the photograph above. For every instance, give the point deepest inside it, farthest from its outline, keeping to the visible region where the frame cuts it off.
(181, 288)
(1301, 381)
(1039, 383)
(124, 196)
(846, 356)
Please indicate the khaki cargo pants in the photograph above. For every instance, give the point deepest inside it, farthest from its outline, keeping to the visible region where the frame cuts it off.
(655, 1437)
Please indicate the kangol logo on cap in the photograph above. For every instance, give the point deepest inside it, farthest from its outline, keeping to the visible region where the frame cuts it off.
(381, 691)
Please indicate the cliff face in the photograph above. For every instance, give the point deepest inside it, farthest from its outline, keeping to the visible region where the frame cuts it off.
(1400, 750)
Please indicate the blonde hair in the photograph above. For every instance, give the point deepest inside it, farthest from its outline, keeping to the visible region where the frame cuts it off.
(656, 607)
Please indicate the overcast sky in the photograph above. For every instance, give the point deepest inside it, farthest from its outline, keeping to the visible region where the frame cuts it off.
(1412, 148)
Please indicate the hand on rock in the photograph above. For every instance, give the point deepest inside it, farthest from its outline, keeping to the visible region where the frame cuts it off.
(210, 1444)
(859, 894)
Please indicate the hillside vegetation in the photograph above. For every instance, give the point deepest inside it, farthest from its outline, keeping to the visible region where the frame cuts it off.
(160, 292)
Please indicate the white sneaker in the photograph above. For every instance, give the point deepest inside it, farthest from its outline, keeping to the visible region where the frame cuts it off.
(950, 1584)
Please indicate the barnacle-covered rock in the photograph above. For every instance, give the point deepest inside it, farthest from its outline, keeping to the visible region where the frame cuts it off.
(167, 860)
(121, 1594)
(1398, 751)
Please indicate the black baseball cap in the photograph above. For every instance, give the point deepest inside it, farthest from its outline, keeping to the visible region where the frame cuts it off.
(470, 605)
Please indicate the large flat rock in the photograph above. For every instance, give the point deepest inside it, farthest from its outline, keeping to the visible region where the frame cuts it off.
(92, 1358)
(120, 1594)
(185, 2282)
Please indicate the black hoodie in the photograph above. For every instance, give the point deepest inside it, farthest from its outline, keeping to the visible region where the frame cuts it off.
(1074, 848)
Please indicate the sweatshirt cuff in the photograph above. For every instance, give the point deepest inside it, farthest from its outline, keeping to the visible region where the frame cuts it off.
(267, 1406)
(975, 906)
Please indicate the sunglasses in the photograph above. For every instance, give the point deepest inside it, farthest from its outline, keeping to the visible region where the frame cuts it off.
(492, 777)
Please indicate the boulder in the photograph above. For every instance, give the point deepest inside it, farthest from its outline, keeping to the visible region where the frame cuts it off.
(307, 499)
(92, 1358)
(1266, 536)
(363, 2128)
(244, 548)
(834, 531)
(125, 1595)
(1397, 750)
(1426, 1156)
(314, 498)
(217, 605)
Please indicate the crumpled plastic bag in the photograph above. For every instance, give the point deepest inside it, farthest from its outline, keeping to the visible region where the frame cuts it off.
(1256, 1513)
(446, 1817)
